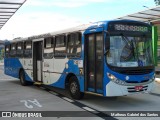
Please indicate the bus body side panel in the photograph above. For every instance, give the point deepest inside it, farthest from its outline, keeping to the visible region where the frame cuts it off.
(76, 67)
(72, 67)
(48, 69)
(28, 68)
(58, 74)
(12, 67)
(6, 66)
(63, 67)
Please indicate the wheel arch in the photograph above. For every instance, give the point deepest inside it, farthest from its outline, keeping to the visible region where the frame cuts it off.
(80, 81)
(67, 79)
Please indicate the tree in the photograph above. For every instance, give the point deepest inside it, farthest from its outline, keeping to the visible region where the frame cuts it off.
(1, 54)
(157, 2)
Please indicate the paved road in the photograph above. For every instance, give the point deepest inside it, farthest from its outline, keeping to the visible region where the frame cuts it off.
(14, 97)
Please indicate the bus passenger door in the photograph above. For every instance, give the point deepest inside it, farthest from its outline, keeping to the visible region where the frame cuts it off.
(94, 62)
(37, 61)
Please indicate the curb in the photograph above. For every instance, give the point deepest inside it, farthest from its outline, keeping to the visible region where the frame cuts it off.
(157, 80)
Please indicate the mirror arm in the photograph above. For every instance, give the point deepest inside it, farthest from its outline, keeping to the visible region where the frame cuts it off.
(107, 41)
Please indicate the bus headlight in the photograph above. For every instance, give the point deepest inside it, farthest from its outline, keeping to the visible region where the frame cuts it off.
(115, 80)
(111, 77)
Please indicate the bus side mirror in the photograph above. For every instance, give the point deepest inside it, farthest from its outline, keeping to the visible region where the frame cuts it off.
(107, 41)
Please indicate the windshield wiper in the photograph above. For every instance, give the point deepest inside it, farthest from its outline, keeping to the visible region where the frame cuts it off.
(105, 53)
(130, 44)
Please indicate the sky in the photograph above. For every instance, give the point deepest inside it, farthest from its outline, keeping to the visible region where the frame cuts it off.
(43, 16)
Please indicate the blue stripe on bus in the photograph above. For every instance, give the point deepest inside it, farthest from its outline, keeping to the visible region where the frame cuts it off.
(72, 68)
(12, 67)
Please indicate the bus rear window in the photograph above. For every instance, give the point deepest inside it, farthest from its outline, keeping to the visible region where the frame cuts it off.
(7, 50)
(13, 50)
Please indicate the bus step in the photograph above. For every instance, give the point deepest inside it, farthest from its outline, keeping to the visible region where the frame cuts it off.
(37, 83)
(97, 94)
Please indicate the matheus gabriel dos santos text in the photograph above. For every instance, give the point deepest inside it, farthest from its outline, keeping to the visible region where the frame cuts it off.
(136, 114)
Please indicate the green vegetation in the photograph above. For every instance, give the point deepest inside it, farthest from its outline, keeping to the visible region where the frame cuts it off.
(157, 2)
(1, 54)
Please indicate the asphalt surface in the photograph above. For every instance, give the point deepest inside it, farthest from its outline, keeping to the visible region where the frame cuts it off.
(14, 97)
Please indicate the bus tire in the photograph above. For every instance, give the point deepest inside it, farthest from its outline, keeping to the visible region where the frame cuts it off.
(22, 78)
(74, 88)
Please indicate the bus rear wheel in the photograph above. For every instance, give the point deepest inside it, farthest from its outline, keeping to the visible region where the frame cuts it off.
(22, 79)
(74, 89)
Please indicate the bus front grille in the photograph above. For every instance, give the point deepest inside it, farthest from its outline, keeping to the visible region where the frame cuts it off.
(132, 89)
(136, 72)
(133, 71)
(143, 81)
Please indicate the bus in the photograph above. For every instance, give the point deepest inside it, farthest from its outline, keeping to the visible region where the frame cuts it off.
(106, 58)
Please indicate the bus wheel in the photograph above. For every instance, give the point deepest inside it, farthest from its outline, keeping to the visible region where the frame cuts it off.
(22, 79)
(74, 89)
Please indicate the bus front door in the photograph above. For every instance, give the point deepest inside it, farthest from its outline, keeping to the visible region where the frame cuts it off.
(37, 61)
(94, 62)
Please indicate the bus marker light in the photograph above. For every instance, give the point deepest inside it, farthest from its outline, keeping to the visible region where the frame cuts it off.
(127, 77)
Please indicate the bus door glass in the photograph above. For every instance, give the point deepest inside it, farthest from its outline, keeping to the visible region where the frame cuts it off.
(37, 60)
(94, 62)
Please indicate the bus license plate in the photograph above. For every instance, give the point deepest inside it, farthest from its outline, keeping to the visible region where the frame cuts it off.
(138, 88)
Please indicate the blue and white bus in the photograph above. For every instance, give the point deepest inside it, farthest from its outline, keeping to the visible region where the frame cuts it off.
(108, 58)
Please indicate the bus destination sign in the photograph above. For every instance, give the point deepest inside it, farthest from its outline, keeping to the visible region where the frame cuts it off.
(121, 27)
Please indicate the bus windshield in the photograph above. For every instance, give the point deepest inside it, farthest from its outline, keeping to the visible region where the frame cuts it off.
(130, 51)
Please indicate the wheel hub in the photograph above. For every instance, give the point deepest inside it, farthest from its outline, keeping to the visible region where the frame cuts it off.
(73, 87)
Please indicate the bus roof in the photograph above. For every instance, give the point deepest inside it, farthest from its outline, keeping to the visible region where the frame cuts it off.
(70, 30)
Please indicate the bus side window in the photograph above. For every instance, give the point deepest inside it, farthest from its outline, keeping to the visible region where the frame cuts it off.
(7, 51)
(13, 50)
(48, 48)
(74, 45)
(20, 49)
(28, 49)
(60, 46)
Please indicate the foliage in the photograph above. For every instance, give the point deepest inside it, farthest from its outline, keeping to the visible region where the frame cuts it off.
(157, 2)
(1, 54)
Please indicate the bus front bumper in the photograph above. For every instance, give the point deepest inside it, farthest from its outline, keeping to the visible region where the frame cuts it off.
(113, 89)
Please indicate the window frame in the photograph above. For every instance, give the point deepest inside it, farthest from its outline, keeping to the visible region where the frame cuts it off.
(65, 45)
(8, 52)
(46, 48)
(69, 55)
(22, 49)
(27, 49)
(52, 42)
(26, 42)
(13, 51)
